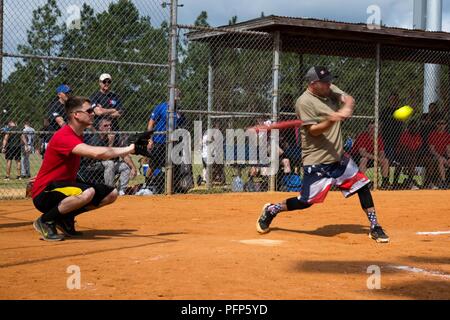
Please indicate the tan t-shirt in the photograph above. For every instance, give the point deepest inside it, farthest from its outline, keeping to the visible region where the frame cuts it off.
(327, 147)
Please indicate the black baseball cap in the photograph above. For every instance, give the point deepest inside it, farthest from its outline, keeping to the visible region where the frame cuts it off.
(319, 73)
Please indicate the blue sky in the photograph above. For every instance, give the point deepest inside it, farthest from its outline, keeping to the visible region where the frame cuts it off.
(393, 13)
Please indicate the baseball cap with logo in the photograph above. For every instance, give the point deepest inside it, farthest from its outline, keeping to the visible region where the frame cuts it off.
(319, 73)
(105, 76)
(64, 88)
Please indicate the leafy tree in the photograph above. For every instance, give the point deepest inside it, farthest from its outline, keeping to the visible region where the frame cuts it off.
(233, 20)
(25, 88)
(202, 20)
(44, 38)
(117, 34)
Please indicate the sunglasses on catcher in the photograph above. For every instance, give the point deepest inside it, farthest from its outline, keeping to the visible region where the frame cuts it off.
(87, 111)
(107, 81)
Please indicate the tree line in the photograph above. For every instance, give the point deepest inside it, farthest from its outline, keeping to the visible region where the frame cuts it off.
(243, 67)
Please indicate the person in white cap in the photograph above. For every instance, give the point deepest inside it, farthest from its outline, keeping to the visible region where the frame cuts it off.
(106, 103)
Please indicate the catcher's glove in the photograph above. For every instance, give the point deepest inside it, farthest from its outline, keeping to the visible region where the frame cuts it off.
(140, 141)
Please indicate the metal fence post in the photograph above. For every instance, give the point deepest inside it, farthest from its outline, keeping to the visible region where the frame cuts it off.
(210, 108)
(1, 42)
(274, 135)
(376, 115)
(172, 86)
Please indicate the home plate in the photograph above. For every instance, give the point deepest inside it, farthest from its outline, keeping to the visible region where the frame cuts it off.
(262, 242)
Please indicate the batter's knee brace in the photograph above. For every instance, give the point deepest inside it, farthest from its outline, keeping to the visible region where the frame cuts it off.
(365, 197)
(295, 204)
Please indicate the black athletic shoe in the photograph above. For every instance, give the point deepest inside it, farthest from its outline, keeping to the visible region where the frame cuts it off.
(67, 226)
(199, 180)
(264, 220)
(377, 233)
(47, 230)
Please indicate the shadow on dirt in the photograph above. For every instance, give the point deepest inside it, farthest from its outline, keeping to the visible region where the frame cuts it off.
(15, 225)
(330, 230)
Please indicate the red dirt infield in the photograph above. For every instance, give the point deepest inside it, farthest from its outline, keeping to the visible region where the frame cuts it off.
(206, 247)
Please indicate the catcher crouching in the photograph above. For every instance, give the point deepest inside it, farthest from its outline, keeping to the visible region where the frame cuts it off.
(56, 192)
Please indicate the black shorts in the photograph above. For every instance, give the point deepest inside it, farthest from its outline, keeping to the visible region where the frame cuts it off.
(55, 192)
(157, 156)
(12, 153)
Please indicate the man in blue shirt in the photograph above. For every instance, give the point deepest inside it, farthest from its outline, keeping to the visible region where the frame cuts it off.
(158, 122)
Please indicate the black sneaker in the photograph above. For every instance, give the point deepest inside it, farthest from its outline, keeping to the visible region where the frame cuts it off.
(67, 226)
(377, 233)
(264, 220)
(47, 230)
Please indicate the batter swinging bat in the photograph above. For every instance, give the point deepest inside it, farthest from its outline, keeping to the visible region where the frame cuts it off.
(280, 125)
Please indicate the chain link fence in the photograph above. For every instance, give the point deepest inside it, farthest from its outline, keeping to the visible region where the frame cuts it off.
(49, 44)
(226, 79)
(415, 150)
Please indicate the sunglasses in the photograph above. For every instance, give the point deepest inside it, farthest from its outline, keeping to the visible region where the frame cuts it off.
(106, 81)
(88, 111)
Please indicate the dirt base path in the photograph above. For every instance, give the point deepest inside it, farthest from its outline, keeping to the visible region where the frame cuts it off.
(206, 247)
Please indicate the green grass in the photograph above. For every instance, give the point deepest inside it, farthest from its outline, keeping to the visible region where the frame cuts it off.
(370, 172)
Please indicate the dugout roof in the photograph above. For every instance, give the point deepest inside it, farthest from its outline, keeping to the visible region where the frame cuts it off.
(304, 35)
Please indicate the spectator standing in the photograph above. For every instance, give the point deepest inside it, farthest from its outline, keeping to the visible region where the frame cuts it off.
(56, 113)
(11, 149)
(157, 144)
(28, 143)
(106, 103)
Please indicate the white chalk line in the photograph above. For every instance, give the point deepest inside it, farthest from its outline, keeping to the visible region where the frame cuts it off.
(262, 242)
(433, 233)
(422, 271)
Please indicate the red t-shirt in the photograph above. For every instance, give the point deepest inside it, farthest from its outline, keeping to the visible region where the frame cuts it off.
(440, 141)
(365, 140)
(59, 164)
(409, 141)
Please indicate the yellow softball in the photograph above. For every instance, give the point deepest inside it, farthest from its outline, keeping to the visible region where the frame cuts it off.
(403, 113)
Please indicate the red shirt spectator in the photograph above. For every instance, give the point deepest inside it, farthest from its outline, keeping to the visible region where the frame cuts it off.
(365, 140)
(440, 140)
(409, 141)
